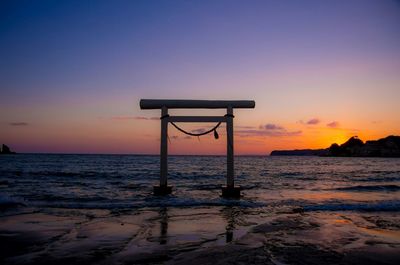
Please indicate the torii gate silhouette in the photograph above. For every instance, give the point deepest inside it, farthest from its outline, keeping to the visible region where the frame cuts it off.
(229, 190)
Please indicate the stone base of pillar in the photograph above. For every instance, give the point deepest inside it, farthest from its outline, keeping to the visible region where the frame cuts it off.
(162, 190)
(231, 192)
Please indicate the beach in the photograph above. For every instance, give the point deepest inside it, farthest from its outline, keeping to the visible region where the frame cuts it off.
(90, 209)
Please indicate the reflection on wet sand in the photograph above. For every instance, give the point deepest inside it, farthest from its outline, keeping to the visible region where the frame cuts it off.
(200, 236)
(198, 227)
(230, 214)
(163, 225)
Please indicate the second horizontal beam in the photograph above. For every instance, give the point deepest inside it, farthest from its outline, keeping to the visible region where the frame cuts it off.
(196, 119)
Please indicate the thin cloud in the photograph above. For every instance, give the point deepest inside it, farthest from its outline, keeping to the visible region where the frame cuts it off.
(313, 121)
(18, 124)
(269, 129)
(280, 133)
(333, 124)
(200, 130)
(245, 127)
(122, 118)
(271, 126)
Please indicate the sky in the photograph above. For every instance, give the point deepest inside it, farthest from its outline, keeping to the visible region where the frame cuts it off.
(72, 73)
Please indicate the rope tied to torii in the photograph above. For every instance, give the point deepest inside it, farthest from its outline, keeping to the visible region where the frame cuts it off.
(214, 129)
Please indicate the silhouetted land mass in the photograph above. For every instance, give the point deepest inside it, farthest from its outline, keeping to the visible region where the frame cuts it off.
(300, 152)
(385, 147)
(6, 150)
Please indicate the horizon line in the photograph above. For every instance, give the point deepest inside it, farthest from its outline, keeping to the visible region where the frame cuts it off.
(126, 154)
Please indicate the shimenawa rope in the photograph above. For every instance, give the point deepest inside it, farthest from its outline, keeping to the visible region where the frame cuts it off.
(214, 129)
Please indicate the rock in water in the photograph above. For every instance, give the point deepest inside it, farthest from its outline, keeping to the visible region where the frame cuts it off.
(6, 150)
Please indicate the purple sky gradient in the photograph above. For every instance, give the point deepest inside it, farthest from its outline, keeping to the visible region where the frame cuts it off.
(64, 64)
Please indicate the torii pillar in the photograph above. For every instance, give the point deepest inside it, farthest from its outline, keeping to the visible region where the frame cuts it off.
(230, 190)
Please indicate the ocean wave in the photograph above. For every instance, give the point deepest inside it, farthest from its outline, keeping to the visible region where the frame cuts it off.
(384, 206)
(378, 179)
(363, 188)
(7, 202)
(72, 173)
(205, 186)
(288, 174)
(154, 203)
(191, 202)
(4, 183)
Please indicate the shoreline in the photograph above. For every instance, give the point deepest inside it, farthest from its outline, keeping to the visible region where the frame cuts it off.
(199, 235)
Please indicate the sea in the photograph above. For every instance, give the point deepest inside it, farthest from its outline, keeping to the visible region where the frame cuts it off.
(125, 182)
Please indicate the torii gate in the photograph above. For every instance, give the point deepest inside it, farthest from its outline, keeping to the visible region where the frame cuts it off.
(230, 190)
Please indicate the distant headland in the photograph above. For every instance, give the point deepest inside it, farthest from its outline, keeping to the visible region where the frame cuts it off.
(6, 150)
(354, 147)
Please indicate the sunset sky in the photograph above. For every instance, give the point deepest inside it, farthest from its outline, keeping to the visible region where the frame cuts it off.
(72, 73)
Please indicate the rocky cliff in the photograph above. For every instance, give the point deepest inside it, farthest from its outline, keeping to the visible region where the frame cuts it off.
(385, 147)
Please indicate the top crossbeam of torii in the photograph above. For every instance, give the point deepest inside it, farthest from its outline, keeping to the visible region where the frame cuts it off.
(195, 104)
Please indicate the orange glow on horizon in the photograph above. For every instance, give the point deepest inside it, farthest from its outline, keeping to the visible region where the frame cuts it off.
(141, 136)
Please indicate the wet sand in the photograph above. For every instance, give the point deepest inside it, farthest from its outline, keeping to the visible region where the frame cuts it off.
(200, 235)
